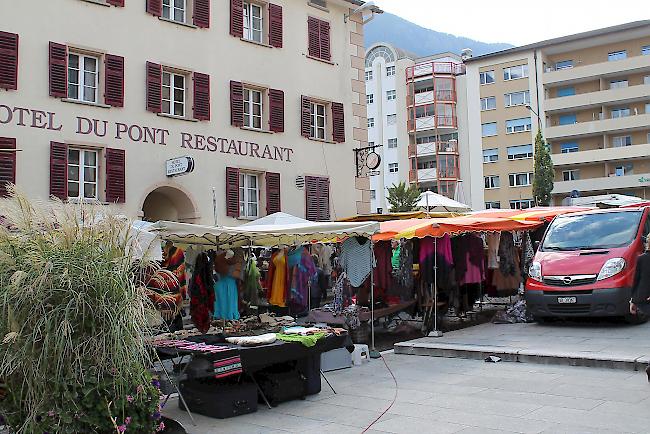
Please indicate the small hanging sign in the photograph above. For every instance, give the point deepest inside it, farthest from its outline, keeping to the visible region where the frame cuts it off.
(179, 166)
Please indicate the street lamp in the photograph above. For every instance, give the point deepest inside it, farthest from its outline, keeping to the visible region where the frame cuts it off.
(539, 119)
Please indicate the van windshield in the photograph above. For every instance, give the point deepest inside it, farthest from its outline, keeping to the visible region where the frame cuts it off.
(592, 231)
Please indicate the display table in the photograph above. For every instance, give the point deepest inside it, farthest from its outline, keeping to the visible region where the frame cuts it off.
(327, 317)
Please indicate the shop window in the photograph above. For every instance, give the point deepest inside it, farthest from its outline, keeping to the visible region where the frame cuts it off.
(173, 93)
(249, 195)
(253, 108)
(83, 73)
(82, 173)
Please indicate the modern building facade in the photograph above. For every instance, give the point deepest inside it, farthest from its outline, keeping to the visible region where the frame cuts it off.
(592, 93)
(105, 100)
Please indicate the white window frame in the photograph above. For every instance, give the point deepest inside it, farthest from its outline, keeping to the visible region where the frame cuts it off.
(491, 157)
(172, 88)
(490, 205)
(571, 175)
(568, 66)
(392, 143)
(508, 72)
(393, 167)
(80, 169)
(371, 122)
(253, 24)
(518, 128)
(520, 156)
(496, 133)
(170, 9)
(513, 179)
(368, 75)
(622, 141)
(484, 75)
(370, 98)
(83, 83)
(318, 117)
(617, 55)
(250, 118)
(391, 119)
(488, 103)
(569, 150)
(618, 84)
(508, 98)
(249, 195)
(519, 203)
(390, 71)
(391, 95)
(491, 182)
(620, 112)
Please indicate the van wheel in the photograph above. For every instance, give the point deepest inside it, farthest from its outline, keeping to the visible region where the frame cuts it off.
(636, 319)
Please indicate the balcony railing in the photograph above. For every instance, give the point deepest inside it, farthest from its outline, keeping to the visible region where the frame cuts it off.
(429, 68)
(432, 122)
(425, 175)
(429, 97)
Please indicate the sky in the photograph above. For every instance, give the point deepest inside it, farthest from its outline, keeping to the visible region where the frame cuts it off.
(516, 22)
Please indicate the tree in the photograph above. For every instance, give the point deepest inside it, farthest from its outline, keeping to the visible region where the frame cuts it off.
(544, 174)
(403, 198)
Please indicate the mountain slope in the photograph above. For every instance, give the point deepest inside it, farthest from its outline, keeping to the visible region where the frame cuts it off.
(419, 40)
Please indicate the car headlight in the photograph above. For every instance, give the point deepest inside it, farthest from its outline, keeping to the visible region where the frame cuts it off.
(535, 271)
(611, 268)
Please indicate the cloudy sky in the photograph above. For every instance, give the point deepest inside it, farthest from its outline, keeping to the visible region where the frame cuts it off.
(516, 22)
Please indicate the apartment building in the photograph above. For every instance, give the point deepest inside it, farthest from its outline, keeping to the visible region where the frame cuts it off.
(592, 93)
(416, 122)
(187, 110)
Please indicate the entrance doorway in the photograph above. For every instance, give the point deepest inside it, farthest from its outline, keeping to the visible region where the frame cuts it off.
(169, 203)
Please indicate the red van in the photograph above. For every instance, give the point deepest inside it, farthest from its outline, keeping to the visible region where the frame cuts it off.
(584, 266)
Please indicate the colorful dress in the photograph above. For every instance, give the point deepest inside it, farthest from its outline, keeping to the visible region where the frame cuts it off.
(226, 303)
(278, 279)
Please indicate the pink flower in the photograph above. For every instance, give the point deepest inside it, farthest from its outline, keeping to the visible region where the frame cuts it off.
(121, 428)
(129, 398)
(161, 427)
(140, 389)
(51, 413)
(127, 420)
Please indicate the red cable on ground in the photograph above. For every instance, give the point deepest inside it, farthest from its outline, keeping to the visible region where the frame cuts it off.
(391, 404)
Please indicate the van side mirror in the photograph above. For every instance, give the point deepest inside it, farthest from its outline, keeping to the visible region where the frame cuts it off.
(536, 245)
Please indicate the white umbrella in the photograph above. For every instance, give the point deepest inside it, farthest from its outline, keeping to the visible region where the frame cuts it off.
(433, 202)
(279, 219)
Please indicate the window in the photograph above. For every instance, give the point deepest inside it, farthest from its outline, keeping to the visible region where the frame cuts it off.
(564, 64)
(392, 168)
(390, 71)
(492, 205)
(427, 164)
(392, 143)
(82, 77)
(515, 72)
(617, 84)
(571, 175)
(371, 122)
(489, 129)
(646, 79)
(487, 77)
(174, 10)
(492, 181)
(490, 155)
(318, 121)
(566, 91)
(432, 139)
(645, 50)
(617, 55)
(620, 112)
(249, 195)
(522, 204)
(391, 119)
(517, 98)
(368, 75)
(568, 119)
(319, 39)
(488, 103)
(391, 95)
(621, 141)
(370, 98)
(518, 125)
(82, 174)
(647, 108)
(373, 194)
(252, 22)
(253, 108)
(569, 147)
(173, 93)
(625, 169)
(520, 152)
(521, 179)
(423, 111)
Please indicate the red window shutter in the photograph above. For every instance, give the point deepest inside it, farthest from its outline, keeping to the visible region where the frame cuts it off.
(154, 7)
(324, 41)
(338, 122)
(236, 104)
(119, 3)
(237, 18)
(273, 203)
(305, 117)
(59, 170)
(276, 110)
(114, 80)
(7, 164)
(232, 192)
(58, 70)
(8, 61)
(313, 36)
(311, 198)
(201, 96)
(115, 175)
(202, 13)
(154, 87)
(324, 199)
(275, 25)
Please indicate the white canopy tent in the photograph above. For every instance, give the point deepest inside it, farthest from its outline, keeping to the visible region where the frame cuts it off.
(433, 202)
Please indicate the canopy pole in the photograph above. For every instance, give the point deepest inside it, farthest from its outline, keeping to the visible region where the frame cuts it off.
(435, 333)
(373, 352)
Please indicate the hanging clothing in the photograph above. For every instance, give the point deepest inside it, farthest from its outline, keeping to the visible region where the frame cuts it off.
(383, 277)
(395, 257)
(201, 290)
(174, 261)
(302, 270)
(405, 272)
(339, 289)
(226, 304)
(469, 259)
(278, 279)
(507, 254)
(493, 250)
(252, 286)
(527, 254)
(324, 254)
(436, 253)
(356, 259)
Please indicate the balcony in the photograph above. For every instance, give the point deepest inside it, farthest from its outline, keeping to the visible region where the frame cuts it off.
(601, 155)
(431, 96)
(431, 148)
(429, 68)
(581, 73)
(425, 175)
(433, 122)
(598, 99)
(602, 184)
(599, 126)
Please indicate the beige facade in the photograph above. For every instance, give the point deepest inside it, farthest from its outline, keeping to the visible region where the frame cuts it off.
(594, 105)
(90, 131)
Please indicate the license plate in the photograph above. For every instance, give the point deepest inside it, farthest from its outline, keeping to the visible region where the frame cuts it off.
(567, 300)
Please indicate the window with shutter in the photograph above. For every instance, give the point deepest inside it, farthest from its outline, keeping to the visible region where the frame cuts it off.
(202, 13)
(338, 122)
(114, 80)
(317, 198)
(7, 164)
(324, 40)
(154, 7)
(236, 104)
(275, 25)
(319, 39)
(237, 18)
(58, 70)
(273, 203)
(8, 61)
(201, 96)
(305, 117)
(115, 175)
(276, 110)
(154, 87)
(59, 170)
(232, 192)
